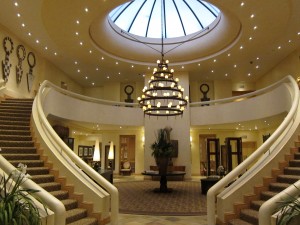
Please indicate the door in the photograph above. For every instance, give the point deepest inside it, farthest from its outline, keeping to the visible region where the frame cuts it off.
(203, 152)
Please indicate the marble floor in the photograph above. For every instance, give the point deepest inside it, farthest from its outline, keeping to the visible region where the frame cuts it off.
(129, 219)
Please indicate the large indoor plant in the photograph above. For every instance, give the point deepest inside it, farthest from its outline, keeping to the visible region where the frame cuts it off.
(162, 149)
(16, 206)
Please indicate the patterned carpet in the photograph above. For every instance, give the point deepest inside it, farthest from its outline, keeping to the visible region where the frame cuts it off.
(138, 197)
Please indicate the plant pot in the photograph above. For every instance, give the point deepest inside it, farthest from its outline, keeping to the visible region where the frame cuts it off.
(162, 163)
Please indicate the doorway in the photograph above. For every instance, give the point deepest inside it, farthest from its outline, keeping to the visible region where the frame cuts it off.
(127, 151)
(203, 152)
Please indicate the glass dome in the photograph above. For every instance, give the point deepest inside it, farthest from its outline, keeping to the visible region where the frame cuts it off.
(164, 18)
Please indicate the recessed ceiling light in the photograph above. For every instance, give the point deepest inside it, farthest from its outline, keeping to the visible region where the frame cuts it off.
(107, 77)
(215, 60)
(241, 47)
(212, 71)
(102, 58)
(97, 68)
(46, 48)
(249, 74)
(257, 58)
(23, 24)
(250, 38)
(29, 34)
(93, 83)
(255, 27)
(252, 16)
(81, 43)
(257, 67)
(182, 67)
(16, 4)
(18, 15)
(298, 33)
(242, 3)
(76, 62)
(77, 33)
(148, 67)
(77, 21)
(144, 75)
(290, 41)
(199, 64)
(119, 73)
(90, 51)
(234, 65)
(132, 66)
(228, 54)
(78, 71)
(37, 41)
(117, 63)
(55, 53)
(86, 9)
(279, 47)
(86, 78)
(226, 74)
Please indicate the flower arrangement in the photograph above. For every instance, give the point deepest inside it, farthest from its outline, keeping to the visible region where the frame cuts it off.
(162, 147)
(16, 206)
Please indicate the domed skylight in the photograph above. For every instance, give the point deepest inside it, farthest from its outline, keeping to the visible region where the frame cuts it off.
(179, 17)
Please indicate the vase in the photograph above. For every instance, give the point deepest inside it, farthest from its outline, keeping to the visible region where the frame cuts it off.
(162, 163)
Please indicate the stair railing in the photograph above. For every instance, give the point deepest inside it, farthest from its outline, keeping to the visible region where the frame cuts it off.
(49, 200)
(73, 159)
(266, 146)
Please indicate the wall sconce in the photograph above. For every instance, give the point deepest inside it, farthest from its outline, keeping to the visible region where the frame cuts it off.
(96, 156)
(111, 155)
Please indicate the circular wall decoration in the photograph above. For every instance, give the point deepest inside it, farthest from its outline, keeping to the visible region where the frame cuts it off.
(31, 60)
(21, 52)
(128, 89)
(8, 45)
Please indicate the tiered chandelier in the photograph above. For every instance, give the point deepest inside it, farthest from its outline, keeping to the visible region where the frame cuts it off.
(163, 96)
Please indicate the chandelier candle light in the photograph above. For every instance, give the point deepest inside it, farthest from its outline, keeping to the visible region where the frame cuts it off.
(163, 96)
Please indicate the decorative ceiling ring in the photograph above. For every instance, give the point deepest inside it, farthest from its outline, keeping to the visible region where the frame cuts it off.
(31, 55)
(5, 43)
(21, 52)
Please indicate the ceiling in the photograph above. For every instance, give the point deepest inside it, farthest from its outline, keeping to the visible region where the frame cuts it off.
(250, 38)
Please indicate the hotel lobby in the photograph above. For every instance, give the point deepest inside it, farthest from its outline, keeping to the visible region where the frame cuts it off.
(91, 67)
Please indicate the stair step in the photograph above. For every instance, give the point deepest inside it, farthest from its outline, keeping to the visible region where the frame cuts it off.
(20, 150)
(29, 163)
(37, 170)
(278, 187)
(16, 114)
(15, 127)
(256, 204)
(297, 155)
(294, 163)
(14, 123)
(91, 221)
(15, 138)
(16, 143)
(238, 222)
(42, 178)
(266, 195)
(292, 171)
(51, 186)
(21, 156)
(75, 214)
(70, 203)
(249, 215)
(290, 179)
(15, 132)
(12, 118)
(61, 194)
(16, 105)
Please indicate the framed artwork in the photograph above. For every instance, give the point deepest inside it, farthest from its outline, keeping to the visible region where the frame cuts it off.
(85, 151)
(80, 151)
(91, 151)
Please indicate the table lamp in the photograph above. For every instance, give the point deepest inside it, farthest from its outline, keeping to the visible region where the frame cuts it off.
(96, 156)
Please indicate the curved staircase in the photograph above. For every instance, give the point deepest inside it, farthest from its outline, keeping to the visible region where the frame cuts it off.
(287, 173)
(17, 146)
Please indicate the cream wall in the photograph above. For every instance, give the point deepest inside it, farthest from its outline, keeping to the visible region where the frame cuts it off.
(43, 70)
(288, 66)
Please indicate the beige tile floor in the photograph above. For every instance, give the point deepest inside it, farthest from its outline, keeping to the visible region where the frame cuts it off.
(129, 219)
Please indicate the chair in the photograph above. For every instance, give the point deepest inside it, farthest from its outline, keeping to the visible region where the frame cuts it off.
(125, 168)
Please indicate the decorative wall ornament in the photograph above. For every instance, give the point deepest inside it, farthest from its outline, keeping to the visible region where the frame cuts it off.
(8, 46)
(31, 62)
(21, 54)
(129, 90)
(204, 88)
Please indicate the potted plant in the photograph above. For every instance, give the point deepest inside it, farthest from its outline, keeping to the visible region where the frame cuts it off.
(288, 211)
(16, 207)
(162, 149)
